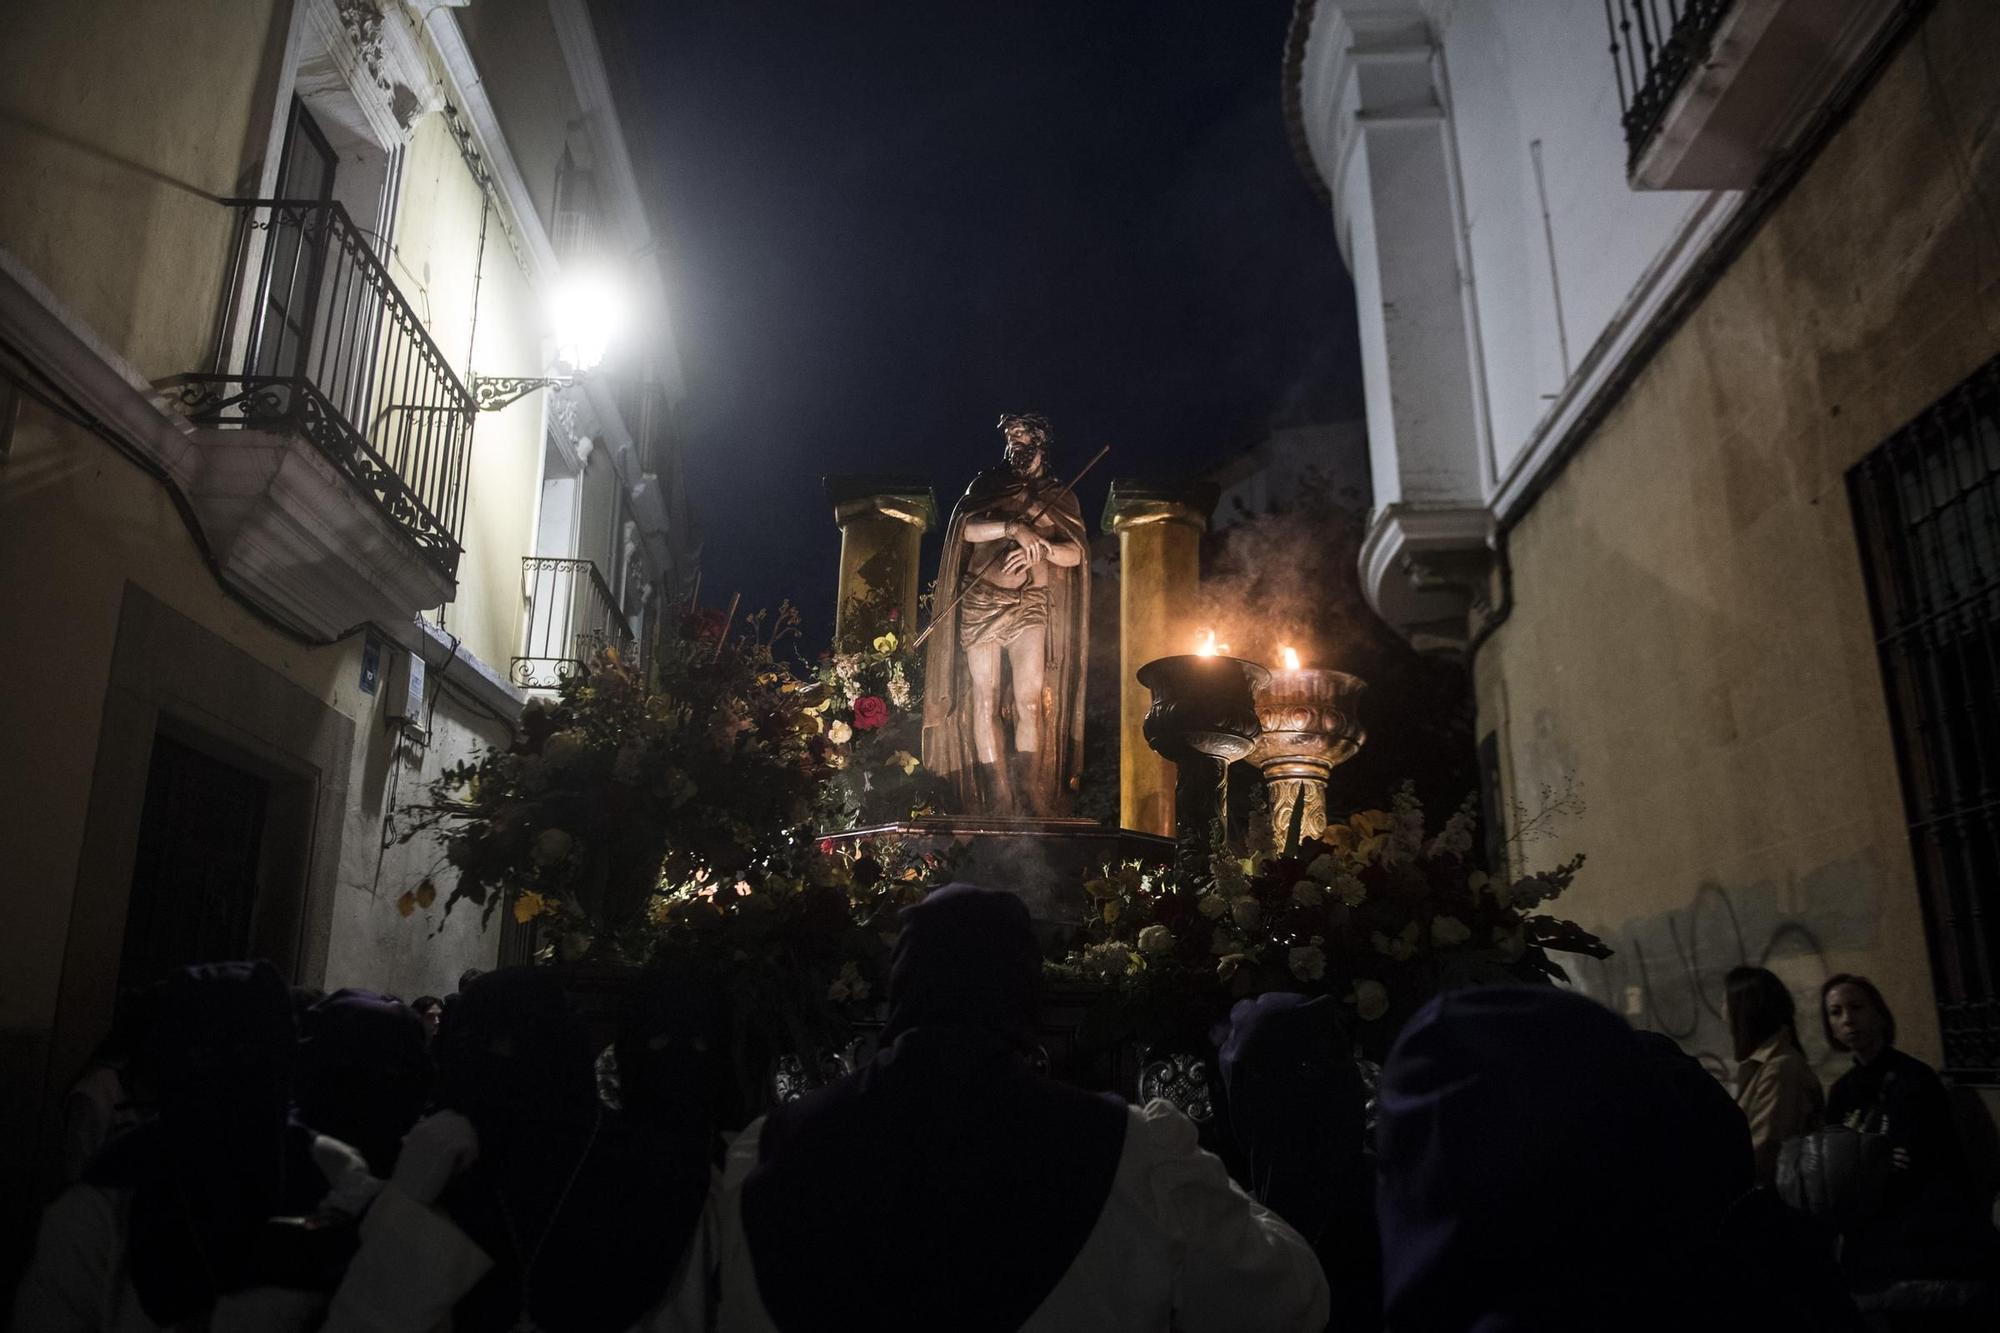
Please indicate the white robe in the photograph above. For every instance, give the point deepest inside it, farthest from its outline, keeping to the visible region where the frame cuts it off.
(1178, 1245)
(78, 1281)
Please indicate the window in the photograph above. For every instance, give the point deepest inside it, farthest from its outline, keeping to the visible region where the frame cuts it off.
(1927, 511)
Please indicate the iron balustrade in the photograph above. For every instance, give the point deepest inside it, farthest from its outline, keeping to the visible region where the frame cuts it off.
(1655, 45)
(1927, 513)
(571, 616)
(326, 347)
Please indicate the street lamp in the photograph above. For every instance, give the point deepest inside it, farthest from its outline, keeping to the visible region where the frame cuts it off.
(588, 311)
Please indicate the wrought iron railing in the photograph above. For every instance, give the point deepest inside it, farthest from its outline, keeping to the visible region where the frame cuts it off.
(1655, 45)
(1927, 511)
(318, 340)
(571, 615)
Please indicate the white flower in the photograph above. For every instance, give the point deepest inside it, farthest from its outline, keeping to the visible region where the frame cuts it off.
(1308, 962)
(1308, 893)
(1371, 1000)
(899, 687)
(1156, 940)
(1246, 913)
(1324, 868)
(840, 733)
(1455, 839)
(1211, 905)
(1230, 876)
(1349, 889)
(1449, 930)
(552, 846)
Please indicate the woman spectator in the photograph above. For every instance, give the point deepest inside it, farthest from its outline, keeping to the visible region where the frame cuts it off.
(431, 1009)
(1928, 1226)
(1778, 1091)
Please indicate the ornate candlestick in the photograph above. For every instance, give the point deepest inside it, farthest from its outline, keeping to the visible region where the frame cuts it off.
(1202, 719)
(1309, 724)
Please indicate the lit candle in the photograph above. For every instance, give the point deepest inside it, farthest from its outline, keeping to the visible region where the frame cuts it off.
(1291, 656)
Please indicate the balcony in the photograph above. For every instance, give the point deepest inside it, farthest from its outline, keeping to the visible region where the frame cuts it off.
(336, 435)
(1713, 92)
(571, 615)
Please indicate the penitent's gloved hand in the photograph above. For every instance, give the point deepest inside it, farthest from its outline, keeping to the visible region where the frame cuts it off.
(437, 1148)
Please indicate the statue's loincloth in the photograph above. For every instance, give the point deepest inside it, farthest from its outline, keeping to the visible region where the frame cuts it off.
(989, 613)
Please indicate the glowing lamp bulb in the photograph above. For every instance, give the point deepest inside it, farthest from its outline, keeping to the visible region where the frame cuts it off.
(588, 310)
(1291, 656)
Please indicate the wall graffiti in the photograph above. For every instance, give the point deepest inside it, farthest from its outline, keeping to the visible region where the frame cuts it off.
(1667, 973)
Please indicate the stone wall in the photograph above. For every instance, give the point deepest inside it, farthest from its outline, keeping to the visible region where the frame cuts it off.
(1689, 636)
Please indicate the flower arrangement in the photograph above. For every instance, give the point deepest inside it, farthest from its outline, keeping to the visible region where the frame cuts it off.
(797, 940)
(869, 702)
(634, 777)
(1378, 912)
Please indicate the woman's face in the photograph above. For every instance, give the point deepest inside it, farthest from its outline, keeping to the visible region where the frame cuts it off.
(1855, 1020)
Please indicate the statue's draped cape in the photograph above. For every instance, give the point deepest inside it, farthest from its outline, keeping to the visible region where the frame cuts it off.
(948, 750)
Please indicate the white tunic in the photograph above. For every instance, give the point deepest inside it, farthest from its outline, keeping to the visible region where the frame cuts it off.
(1177, 1246)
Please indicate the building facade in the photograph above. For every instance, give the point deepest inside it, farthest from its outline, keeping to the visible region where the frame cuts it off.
(1679, 328)
(289, 526)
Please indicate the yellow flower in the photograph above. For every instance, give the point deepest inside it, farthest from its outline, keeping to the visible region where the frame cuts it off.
(1112, 907)
(1370, 999)
(885, 643)
(530, 905)
(1101, 887)
(906, 761)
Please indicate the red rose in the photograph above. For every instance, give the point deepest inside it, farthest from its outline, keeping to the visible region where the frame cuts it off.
(869, 713)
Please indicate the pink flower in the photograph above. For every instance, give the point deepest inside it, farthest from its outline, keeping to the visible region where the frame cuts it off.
(869, 712)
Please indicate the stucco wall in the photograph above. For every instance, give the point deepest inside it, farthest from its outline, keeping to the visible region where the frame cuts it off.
(1690, 636)
(1536, 78)
(113, 162)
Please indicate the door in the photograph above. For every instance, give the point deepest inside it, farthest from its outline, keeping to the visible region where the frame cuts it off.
(294, 254)
(194, 881)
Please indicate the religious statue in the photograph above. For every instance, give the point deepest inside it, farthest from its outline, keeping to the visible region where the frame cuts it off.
(1004, 679)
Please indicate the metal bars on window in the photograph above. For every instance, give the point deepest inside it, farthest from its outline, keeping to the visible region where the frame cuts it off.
(571, 616)
(1655, 45)
(331, 350)
(1927, 511)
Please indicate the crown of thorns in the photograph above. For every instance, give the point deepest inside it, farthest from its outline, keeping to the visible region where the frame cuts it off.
(1034, 421)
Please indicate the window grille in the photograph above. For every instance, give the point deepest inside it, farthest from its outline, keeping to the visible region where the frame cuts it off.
(1927, 511)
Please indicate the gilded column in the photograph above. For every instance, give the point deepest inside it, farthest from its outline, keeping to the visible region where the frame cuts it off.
(1159, 557)
(882, 524)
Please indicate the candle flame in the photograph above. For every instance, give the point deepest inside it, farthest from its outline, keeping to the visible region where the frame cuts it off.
(1204, 644)
(1291, 656)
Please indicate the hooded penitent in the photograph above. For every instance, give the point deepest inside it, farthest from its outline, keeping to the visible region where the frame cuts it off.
(222, 1157)
(364, 1074)
(1297, 1110)
(584, 1221)
(1543, 1167)
(945, 1184)
(948, 747)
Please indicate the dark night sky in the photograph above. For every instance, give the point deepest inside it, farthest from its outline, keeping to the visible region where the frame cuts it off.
(890, 222)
